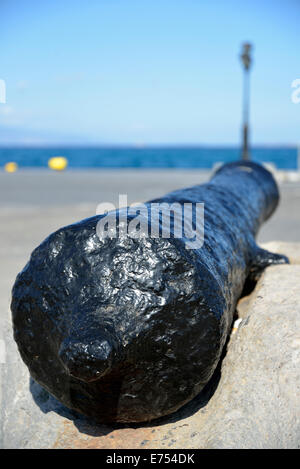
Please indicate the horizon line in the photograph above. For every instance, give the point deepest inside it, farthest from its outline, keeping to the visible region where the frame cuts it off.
(144, 146)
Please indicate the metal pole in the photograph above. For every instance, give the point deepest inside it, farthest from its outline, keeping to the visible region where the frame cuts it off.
(246, 60)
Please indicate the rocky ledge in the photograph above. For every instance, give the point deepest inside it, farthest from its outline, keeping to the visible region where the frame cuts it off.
(253, 400)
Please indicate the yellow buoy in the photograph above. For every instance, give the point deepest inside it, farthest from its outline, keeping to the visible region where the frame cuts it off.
(58, 163)
(11, 167)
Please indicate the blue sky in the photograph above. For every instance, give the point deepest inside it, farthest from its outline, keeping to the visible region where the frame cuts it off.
(147, 72)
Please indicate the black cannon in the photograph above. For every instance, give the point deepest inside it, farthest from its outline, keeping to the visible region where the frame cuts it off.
(129, 328)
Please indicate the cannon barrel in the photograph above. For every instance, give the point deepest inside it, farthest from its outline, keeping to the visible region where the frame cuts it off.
(130, 328)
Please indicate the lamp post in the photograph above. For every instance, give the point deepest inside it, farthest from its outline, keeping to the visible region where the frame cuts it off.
(246, 60)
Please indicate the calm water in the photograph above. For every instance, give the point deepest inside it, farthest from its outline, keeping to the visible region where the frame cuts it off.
(185, 157)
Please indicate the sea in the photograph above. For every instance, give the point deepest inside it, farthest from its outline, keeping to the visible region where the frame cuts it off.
(146, 157)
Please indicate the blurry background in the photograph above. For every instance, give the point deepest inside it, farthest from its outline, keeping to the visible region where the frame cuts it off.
(142, 97)
(137, 83)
